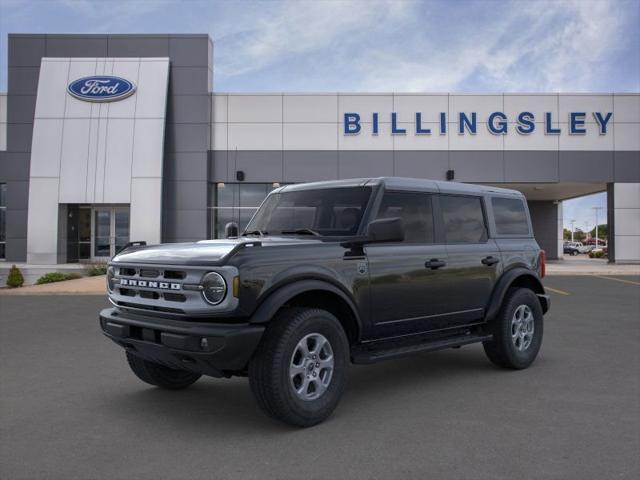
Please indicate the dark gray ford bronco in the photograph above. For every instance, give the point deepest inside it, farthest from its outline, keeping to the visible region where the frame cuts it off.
(332, 273)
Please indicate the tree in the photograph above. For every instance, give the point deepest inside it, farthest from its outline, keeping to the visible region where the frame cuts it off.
(603, 231)
(578, 235)
(566, 234)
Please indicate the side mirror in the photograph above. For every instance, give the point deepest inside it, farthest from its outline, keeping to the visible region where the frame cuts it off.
(231, 230)
(385, 230)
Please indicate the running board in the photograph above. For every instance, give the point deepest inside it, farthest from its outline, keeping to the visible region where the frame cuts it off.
(369, 353)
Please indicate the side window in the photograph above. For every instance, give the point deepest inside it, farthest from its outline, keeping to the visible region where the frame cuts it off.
(463, 219)
(510, 216)
(415, 211)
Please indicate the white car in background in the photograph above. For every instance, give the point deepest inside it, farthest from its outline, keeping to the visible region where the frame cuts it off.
(579, 246)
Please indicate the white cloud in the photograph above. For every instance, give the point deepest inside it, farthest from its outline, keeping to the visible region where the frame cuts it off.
(532, 46)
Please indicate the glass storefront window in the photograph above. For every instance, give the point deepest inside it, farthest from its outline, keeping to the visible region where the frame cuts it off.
(235, 202)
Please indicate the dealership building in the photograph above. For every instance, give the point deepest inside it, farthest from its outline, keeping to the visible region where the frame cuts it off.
(106, 139)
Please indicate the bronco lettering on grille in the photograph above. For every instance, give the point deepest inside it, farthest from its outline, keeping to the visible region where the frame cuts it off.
(130, 282)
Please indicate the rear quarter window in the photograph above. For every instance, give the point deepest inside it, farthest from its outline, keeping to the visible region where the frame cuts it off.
(510, 215)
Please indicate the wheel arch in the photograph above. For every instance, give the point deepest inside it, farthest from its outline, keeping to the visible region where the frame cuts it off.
(312, 294)
(517, 277)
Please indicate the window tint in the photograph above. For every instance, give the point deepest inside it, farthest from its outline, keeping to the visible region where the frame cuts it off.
(510, 215)
(415, 211)
(330, 212)
(463, 219)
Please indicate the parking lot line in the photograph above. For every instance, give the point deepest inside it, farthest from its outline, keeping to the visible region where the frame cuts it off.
(631, 282)
(555, 290)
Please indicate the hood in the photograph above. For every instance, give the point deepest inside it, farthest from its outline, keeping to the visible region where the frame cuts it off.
(205, 252)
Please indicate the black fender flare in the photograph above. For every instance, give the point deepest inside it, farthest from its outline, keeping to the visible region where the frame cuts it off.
(506, 280)
(282, 294)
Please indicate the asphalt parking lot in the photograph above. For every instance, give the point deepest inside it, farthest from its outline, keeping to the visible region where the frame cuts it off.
(70, 408)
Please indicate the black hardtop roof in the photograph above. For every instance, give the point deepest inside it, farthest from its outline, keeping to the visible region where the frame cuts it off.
(404, 183)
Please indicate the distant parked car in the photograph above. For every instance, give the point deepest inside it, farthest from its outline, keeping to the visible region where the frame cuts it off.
(570, 249)
(577, 246)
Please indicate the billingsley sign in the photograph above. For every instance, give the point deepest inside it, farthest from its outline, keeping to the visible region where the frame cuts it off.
(101, 88)
(497, 123)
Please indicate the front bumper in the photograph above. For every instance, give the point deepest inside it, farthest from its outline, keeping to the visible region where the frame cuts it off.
(213, 349)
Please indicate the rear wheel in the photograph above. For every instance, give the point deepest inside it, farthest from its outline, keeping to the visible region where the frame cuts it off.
(298, 373)
(517, 330)
(159, 375)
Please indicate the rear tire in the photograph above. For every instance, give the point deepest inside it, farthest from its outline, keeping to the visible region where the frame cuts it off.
(517, 330)
(298, 372)
(159, 375)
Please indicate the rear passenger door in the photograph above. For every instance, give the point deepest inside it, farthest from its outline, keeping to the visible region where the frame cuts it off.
(406, 295)
(473, 258)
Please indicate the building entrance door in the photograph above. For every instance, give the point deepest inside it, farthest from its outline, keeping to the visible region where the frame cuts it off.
(110, 231)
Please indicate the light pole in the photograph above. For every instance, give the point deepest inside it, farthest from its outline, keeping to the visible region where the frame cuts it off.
(596, 209)
(572, 222)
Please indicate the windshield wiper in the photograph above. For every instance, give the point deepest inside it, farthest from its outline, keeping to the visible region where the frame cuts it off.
(254, 232)
(301, 231)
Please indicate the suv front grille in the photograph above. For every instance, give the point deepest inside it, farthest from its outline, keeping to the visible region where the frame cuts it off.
(171, 289)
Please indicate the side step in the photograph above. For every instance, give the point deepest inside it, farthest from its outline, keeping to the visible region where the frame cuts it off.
(384, 350)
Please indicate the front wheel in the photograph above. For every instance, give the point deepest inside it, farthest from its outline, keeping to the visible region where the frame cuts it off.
(159, 375)
(517, 330)
(298, 373)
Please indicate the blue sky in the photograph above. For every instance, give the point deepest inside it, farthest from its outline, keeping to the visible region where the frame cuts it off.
(371, 45)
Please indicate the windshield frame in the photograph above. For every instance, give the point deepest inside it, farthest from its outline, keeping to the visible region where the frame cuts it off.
(253, 229)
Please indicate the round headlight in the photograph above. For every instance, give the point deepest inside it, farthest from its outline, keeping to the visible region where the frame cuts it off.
(110, 274)
(214, 288)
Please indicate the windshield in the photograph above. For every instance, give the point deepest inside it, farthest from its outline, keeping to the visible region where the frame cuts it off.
(325, 212)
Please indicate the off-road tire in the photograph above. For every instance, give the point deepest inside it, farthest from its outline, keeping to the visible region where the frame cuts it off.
(269, 375)
(501, 349)
(159, 375)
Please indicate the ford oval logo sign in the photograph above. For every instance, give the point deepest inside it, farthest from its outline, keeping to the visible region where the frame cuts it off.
(101, 88)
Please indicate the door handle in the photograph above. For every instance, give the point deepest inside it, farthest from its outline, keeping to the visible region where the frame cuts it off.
(488, 261)
(434, 264)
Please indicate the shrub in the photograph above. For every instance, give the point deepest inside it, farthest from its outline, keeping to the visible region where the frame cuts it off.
(96, 270)
(596, 254)
(15, 278)
(52, 277)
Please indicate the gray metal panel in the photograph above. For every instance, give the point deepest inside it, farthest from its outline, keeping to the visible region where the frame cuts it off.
(14, 166)
(76, 46)
(16, 249)
(19, 137)
(258, 165)
(23, 80)
(218, 166)
(138, 46)
(422, 164)
(185, 195)
(359, 163)
(544, 218)
(22, 108)
(16, 223)
(310, 166)
(626, 166)
(187, 137)
(477, 165)
(188, 80)
(531, 166)
(185, 166)
(185, 225)
(188, 109)
(586, 166)
(26, 50)
(189, 51)
(17, 195)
